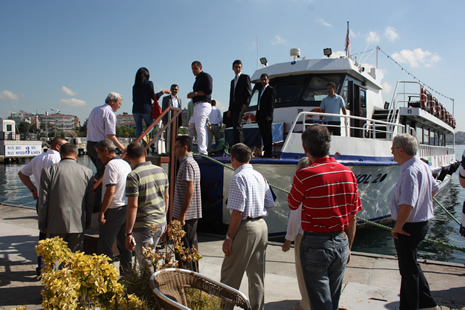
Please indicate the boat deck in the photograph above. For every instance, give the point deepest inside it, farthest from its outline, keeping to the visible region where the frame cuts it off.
(371, 281)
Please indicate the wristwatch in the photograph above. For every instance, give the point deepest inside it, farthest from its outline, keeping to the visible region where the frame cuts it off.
(228, 238)
(195, 93)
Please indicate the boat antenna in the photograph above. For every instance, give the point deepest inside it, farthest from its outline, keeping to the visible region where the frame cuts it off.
(258, 60)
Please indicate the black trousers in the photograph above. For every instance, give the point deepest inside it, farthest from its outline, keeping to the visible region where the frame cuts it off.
(334, 128)
(190, 240)
(236, 119)
(267, 137)
(100, 170)
(414, 289)
(93, 156)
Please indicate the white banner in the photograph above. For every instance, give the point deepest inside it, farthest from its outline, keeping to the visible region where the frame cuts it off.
(23, 150)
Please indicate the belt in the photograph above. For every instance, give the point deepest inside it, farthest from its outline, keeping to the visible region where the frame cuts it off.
(329, 234)
(253, 218)
(215, 124)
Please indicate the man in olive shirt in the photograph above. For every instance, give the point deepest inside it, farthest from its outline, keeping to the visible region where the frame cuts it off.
(147, 192)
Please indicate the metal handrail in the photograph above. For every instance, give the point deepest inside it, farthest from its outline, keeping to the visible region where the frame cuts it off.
(370, 121)
(146, 131)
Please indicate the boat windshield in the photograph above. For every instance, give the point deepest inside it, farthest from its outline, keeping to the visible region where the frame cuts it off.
(303, 90)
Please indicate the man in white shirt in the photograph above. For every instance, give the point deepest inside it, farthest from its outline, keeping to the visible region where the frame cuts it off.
(216, 121)
(112, 216)
(35, 167)
(101, 124)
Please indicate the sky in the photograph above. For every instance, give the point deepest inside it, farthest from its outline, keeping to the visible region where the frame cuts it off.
(68, 55)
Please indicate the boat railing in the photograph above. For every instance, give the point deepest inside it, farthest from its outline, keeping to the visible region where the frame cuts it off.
(434, 150)
(366, 128)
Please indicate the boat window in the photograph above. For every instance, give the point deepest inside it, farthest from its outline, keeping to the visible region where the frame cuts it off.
(255, 94)
(425, 136)
(315, 90)
(289, 91)
(419, 131)
(363, 99)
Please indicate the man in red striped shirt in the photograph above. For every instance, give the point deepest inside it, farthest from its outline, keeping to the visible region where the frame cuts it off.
(329, 194)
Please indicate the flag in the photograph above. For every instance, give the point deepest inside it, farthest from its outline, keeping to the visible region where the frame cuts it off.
(347, 49)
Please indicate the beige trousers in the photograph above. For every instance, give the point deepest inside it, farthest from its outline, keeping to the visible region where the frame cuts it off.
(248, 255)
(305, 302)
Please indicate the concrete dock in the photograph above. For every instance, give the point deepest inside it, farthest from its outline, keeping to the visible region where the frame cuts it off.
(371, 281)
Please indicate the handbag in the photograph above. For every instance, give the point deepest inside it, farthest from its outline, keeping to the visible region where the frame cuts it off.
(156, 110)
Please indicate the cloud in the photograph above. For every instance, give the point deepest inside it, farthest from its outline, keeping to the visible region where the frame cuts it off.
(8, 95)
(391, 34)
(68, 91)
(387, 88)
(373, 37)
(279, 40)
(323, 22)
(73, 102)
(337, 54)
(416, 57)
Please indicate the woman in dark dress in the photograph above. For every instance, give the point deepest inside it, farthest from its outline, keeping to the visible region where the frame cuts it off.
(143, 94)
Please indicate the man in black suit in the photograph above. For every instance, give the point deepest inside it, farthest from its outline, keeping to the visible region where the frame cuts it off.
(171, 101)
(264, 115)
(239, 99)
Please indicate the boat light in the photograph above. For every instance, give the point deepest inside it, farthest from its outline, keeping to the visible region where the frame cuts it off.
(263, 61)
(327, 52)
(295, 53)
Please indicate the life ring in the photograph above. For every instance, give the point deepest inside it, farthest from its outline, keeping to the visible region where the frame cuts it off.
(423, 97)
(248, 118)
(309, 117)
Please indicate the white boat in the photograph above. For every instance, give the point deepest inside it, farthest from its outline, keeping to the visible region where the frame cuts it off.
(364, 145)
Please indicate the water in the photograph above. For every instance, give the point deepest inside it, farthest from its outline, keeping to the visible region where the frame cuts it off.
(442, 228)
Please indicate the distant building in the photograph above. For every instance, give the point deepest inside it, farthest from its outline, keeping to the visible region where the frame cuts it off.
(23, 116)
(126, 120)
(61, 122)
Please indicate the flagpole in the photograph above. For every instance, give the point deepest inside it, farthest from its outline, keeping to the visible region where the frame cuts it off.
(347, 45)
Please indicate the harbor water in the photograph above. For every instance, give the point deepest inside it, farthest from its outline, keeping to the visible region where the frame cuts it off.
(378, 241)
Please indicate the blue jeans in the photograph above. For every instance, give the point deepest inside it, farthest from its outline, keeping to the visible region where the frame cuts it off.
(324, 259)
(138, 117)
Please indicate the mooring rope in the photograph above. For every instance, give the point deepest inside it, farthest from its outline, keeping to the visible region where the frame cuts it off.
(359, 218)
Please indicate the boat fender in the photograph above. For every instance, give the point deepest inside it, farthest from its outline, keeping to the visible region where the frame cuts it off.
(248, 118)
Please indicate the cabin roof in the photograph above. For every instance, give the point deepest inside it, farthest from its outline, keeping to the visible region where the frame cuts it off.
(324, 65)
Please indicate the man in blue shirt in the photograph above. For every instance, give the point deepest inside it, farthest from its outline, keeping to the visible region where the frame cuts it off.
(333, 103)
(411, 208)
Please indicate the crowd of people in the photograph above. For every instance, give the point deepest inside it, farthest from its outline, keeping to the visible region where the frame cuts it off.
(134, 194)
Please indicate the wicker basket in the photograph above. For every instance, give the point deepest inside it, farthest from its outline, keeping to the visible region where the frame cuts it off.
(168, 286)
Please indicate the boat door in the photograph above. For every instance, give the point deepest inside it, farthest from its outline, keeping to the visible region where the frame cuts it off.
(357, 104)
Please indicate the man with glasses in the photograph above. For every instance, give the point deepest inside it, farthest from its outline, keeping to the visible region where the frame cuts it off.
(175, 102)
(412, 208)
(35, 167)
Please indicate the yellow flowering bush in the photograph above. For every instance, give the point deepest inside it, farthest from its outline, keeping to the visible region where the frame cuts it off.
(80, 281)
